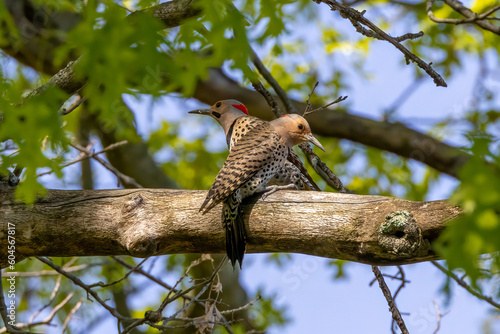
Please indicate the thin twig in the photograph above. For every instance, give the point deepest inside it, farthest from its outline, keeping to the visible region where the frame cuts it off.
(308, 102)
(439, 317)
(102, 285)
(250, 303)
(84, 286)
(165, 285)
(396, 315)
(53, 272)
(151, 277)
(399, 276)
(323, 170)
(3, 312)
(403, 281)
(275, 108)
(48, 319)
(339, 99)
(152, 317)
(276, 86)
(196, 262)
(70, 314)
(402, 98)
(460, 281)
(121, 177)
(51, 299)
(83, 155)
(52, 314)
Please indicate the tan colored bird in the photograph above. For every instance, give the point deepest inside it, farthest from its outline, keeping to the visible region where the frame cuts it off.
(235, 120)
(258, 150)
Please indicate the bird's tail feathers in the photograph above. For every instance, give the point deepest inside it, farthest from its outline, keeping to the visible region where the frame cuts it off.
(235, 230)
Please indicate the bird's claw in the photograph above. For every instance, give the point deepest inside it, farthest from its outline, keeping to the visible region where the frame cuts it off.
(272, 189)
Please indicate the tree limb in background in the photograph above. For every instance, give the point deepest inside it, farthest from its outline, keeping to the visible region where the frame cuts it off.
(480, 20)
(375, 230)
(392, 137)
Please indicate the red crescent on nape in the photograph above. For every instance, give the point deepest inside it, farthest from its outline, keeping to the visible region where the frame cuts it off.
(241, 107)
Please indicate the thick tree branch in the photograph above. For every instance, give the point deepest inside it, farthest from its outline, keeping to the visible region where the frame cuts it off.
(368, 229)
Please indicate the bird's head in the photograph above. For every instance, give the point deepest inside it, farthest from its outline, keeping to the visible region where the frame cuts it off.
(225, 112)
(294, 129)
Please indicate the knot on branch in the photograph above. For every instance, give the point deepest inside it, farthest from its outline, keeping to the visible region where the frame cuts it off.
(141, 245)
(139, 239)
(153, 316)
(7, 182)
(133, 204)
(400, 234)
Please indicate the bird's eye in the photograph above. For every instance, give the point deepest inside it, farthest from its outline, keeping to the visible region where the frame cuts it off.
(218, 104)
(301, 126)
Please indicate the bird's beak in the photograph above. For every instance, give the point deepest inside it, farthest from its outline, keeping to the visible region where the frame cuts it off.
(201, 112)
(313, 140)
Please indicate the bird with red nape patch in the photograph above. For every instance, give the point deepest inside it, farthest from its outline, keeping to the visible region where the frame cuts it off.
(258, 152)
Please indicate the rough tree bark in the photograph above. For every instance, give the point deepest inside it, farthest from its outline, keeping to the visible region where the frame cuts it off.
(367, 229)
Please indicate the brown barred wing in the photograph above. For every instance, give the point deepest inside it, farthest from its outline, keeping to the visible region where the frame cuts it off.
(252, 152)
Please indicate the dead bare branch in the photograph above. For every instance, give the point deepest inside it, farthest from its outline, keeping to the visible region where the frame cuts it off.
(357, 19)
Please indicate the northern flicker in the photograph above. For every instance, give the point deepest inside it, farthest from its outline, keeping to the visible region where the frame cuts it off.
(233, 116)
(255, 157)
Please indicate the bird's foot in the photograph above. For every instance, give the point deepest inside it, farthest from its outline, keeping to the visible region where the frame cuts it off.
(272, 189)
